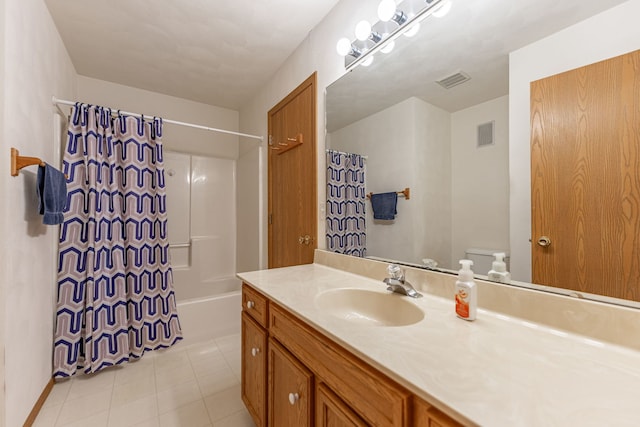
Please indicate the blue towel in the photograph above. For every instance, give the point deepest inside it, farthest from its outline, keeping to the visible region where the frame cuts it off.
(52, 192)
(384, 205)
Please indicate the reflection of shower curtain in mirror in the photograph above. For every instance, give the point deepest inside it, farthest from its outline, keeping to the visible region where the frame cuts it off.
(115, 284)
(346, 232)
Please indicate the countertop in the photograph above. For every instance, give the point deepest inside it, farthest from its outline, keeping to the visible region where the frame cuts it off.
(494, 371)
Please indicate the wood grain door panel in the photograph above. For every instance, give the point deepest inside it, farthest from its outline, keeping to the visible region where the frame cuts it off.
(585, 178)
(331, 411)
(293, 178)
(254, 369)
(288, 378)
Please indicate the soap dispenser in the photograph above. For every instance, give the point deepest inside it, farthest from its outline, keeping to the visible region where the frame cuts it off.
(466, 292)
(498, 272)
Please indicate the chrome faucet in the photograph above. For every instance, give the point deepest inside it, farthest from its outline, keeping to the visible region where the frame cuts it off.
(396, 282)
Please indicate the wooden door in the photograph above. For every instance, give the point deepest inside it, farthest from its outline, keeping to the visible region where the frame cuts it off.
(585, 178)
(331, 411)
(293, 178)
(290, 389)
(254, 370)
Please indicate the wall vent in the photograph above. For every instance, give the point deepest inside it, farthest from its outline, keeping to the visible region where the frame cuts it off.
(486, 134)
(453, 80)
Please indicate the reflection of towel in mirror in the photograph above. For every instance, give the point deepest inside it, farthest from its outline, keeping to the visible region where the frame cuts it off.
(52, 191)
(384, 205)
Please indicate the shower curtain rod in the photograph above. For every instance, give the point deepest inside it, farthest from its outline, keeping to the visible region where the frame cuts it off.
(174, 122)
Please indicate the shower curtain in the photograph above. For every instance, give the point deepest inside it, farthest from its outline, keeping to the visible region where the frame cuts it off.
(346, 232)
(115, 284)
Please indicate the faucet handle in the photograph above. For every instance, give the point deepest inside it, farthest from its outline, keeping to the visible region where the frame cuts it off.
(395, 272)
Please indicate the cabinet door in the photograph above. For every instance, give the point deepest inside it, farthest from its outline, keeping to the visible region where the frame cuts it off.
(254, 369)
(290, 389)
(331, 411)
(426, 415)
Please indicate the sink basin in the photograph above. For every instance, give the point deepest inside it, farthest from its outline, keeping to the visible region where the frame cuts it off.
(366, 307)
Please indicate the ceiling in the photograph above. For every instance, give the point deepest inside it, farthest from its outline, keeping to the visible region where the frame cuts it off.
(476, 37)
(212, 51)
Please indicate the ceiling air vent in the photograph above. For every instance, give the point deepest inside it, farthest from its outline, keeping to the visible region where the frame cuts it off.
(453, 80)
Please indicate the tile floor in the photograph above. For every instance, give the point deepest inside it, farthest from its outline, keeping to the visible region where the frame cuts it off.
(194, 385)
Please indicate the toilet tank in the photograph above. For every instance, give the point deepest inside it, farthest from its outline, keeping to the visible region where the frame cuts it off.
(483, 259)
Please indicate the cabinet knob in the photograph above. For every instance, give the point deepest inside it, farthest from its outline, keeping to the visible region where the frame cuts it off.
(250, 304)
(255, 351)
(293, 398)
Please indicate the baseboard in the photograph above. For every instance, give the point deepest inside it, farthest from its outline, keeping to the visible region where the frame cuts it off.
(36, 408)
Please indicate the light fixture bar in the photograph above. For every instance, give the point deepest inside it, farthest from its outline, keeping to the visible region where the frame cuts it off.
(430, 6)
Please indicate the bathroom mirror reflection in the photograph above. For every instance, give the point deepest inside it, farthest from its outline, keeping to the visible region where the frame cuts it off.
(450, 146)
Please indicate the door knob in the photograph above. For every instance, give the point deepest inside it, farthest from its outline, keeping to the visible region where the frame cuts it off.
(255, 351)
(544, 241)
(305, 240)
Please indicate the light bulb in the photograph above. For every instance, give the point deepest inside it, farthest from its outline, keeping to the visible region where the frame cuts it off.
(442, 9)
(388, 47)
(413, 30)
(344, 46)
(363, 30)
(367, 61)
(386, 10)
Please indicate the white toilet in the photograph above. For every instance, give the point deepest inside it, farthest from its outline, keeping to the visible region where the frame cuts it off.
(483, 259)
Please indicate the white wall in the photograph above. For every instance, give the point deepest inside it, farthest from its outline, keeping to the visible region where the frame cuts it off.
(176, 138)
(316, 53)
(407, 146)
(36, 67)
(4, 213)
(432, 190)
(480, 180)
(611, 33)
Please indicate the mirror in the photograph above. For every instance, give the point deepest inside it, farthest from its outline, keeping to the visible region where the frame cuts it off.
(417, 134)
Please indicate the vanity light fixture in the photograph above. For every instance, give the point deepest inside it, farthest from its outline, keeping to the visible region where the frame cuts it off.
(386, 10)
(363, 30)
(394, 21)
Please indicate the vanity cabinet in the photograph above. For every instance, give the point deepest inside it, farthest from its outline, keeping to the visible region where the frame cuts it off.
(290, 392)
(312, 381)
(254, 369)
(331, 411)
(426, 415)
(254, 355)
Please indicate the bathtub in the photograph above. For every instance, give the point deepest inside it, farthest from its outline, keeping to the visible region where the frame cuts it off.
(212, 310)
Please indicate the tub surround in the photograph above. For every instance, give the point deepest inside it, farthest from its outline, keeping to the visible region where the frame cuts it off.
(531, 368)
(212, 315)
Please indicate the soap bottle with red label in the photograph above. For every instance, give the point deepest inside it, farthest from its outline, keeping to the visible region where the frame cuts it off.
(466, 292)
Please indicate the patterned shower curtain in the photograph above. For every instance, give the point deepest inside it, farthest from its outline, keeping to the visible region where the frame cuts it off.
(115, 284)
(346, 232)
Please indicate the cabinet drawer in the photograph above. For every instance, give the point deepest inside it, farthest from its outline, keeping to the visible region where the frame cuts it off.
(369, 393)
(255, 304)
